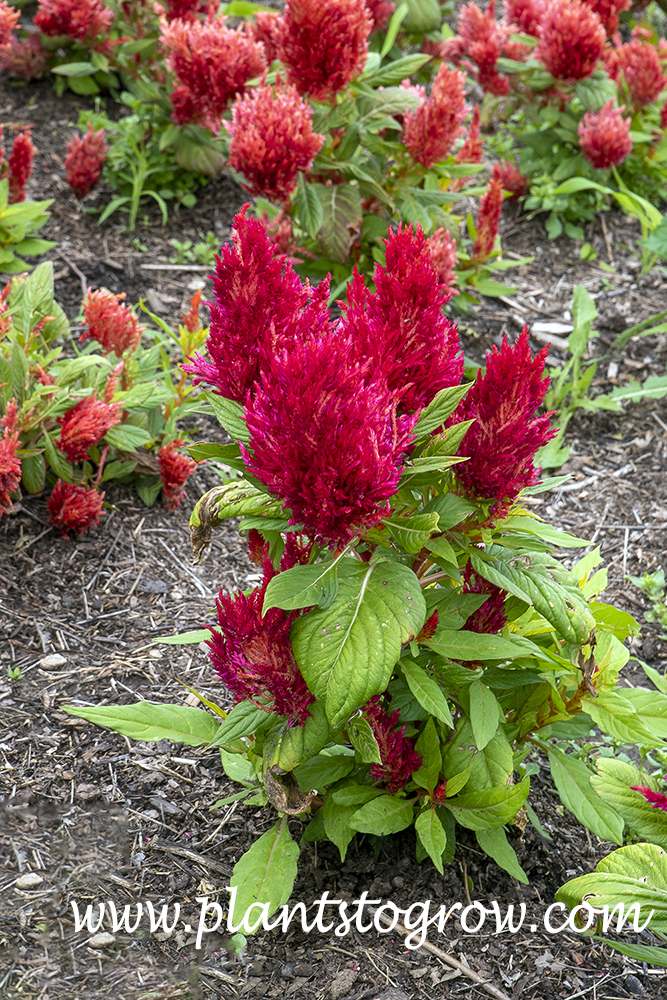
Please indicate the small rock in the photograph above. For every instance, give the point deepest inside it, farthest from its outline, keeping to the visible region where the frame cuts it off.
(169, 808)
(176, 595)
(101, 940)
(29, 881)
(343, 983)
(393, 993)
(398, 882)
(54, 661)
(635, 986)
(288, 972)
(419, 972)
(155, 654)
(87, 793)
(152, 587)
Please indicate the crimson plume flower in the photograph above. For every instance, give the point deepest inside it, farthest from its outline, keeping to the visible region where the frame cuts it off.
(280, 233)
(400, 327)
(484, 40)
(253, 656)
(78, 19)
(380, 11)
(260, 307)
(639, 65)
(605, 137)
(10, 463)
(608, 11)
(324, 45)
(212, 64)
(191, 320)
(526, 15)
(24, 59)
(272, 139)
(175, 469)
(399, 757)
(73, 509)
(471, 149)
(20, 165)
(84, 161)
(9, 18)
(429, 132)
(488, 218)
(184, 10)
(656, 799)
(84, 425)
(442, 249)
(511, 179)
(110, 323)
(572, 39)
(506, 434)
(325, 438)
(490, 617)
(267, 28)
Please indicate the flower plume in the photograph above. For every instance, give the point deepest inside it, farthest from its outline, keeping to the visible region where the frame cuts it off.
(429, 132)
(399, 757)
(10, 463)
(84, 425)
(175, 469)
(73, 509)
(112, 324)
(78, 19)
(84, 161)
(605, 137)
(572, 39)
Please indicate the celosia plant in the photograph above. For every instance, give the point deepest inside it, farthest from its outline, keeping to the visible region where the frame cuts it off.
(84, 161)
(413, 639)
(74, 509)
(605, 137)
(113, 325)
(78, 19)
(19, 166)
(430, 131)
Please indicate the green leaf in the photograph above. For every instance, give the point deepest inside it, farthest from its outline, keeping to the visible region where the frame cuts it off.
(185, 638)
(31, 248)
(303, 586)
(616, 715)
(57, 460)
(266, 873)
(432, 835)
(33, 473)
(485, 713)
(230, 414)
(490, 807)
(323, 770)
(309, 207)
(491, 288)
(382, 816)
(652, 708)
(74, 69)
(363, 740)
(341, 218)
(495, 844)
(337, 827)
(85, 86)
(595, 91)
(427, 691)
(413, 532)
(243, 719)
(573, 780)
(451, 510)
(152, 722)
(200, 158)
(462, 645)
(441, 406)
(639, 952)
(428, 746)
(613, 783)
(347, 652)
(238, 768)
(392, 28)
(396, 71)
(127, 437)
(300, 743)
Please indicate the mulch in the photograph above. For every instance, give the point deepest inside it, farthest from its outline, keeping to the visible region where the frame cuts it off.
(96, 817)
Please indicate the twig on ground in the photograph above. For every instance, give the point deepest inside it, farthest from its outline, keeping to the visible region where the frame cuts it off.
(176, 267)
(104, 562)
(82, 278)
(185, 852)
(606, 240)
(203, 590)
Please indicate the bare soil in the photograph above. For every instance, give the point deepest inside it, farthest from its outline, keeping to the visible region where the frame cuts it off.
(98, 817)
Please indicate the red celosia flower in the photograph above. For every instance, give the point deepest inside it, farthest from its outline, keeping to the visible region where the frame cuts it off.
(186, 10)
(191, 320)
(84, 161)
(175, 469)
(401, 327)
(488, 218)
(442, 249)
(608, 11)
(483, 39)
(639, 65)
(526, 15)
(110, 323)
(471, 150)
(20, 165)
(511, 179)
(572, 39)
(267, 28)
(25, 60)
(430, 131)
(324, 45)
(212, 64)
(490, 617)
(9, 18)
(440, 793)
(272, 140)
(325, 438)
(427, 630)
(253, 656)
(280, 233)
(605, 137)
(10, 463)
(260, 306)
(399, 757)
(79, 19)
(84, 425)
(656, 799)
(74, 509)
(380, 12)
(506, 434)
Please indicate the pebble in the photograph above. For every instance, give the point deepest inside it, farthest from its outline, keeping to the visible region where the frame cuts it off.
(343, 983)
(635, 986)
(53, 661)
(29, 881)
(87, 793)
(101, 940)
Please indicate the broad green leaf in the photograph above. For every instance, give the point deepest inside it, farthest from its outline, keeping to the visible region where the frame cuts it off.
(200, 157)
(622, 624)
(615, 714)
(428, 747)
(545, 531)
(341, 217)
(309, 207)
(495, 844)
(33, 473)
(347, 652)
(472, 646)
(651, 706)
(238, 767)
(423, 16)
(303, 586)
(413, 532)
(152, 722)
(297, 744)
(266, 873)
(396, 71)
(323, 770)
(337, 827)
(613, 783)
(660, 680)
(74, 69)
(185, 638)
(127, 437)
(355, 795)
(485, 713)
(363, 740)
(382, 816)
(427, 691)
(392, 28)
(230, 414)
(491, 288)
(573, 780)
(639, 952)
(441, 406)
(451, 510)
(490, 807)
(596, 90)
(432, 835)
(243, 719)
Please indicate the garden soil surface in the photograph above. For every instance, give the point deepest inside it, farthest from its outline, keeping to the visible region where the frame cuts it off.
(94, 817)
